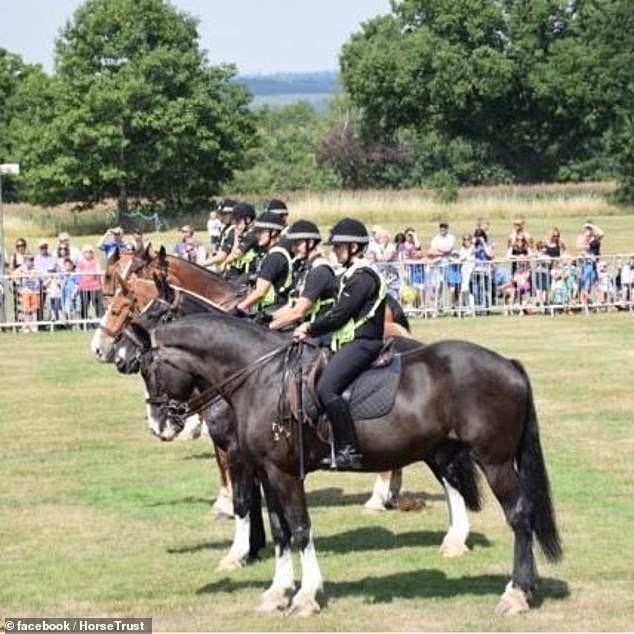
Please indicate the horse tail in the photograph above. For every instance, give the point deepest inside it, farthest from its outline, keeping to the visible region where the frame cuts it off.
(466, 479)
(398, 314)
(534, 479)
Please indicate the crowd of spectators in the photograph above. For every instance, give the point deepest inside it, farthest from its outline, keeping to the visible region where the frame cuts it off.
(62, 284)
(461, 275)
(471, 276)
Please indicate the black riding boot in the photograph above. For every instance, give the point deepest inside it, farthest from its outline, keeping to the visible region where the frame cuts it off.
(348, 456)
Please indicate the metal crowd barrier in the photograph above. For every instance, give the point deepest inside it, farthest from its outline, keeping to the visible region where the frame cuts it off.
(36, 301)
(520, 286)
(425, 288)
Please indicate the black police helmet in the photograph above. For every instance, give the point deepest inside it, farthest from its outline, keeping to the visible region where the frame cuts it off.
(303, 230)
(277, 207)
(269, 220)
(243, 211)
(226, 206)
(349, 231)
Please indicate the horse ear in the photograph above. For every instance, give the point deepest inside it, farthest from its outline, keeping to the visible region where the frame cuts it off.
(165, 291)
(148, 251)
(162, 254)
(142, 334)
(123, 285)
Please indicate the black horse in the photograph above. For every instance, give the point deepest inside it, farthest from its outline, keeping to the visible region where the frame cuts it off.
(454, 398)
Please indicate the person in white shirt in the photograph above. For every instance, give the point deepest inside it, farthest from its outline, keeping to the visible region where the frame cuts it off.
(214, 228)
(442, 245)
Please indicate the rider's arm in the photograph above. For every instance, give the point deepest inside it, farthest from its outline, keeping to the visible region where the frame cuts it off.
(259, 292)
(290, 314)
(320, 282)
(274, 267)
(356, 292)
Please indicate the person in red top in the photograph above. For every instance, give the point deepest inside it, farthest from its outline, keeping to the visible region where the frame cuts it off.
(89, 275)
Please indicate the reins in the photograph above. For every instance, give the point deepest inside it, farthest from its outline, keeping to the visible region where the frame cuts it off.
(212, 394)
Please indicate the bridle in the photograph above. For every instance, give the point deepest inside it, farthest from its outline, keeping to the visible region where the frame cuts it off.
(179, 411)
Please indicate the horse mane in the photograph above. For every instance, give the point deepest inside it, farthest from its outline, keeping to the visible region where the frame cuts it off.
(170, 333)
(199, 269)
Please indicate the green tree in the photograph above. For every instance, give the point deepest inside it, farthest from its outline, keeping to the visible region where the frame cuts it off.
(284, 157)
(135, 111)
(13, 72)
(528, 89)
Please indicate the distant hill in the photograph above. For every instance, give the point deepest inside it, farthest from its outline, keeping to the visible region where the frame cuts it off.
(281, 89)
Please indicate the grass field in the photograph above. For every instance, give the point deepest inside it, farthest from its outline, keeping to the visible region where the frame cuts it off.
(97, 519)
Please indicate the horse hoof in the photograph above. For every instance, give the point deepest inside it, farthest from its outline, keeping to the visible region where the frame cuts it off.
(229, 564)
(303, 606)
(374, 504)
(223, 508)
(274, 601)
(513, 601)
(452, 547)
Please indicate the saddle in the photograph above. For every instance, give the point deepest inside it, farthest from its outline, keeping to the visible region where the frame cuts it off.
(371, 395)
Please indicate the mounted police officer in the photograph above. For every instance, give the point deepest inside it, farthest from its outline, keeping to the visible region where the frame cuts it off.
(356, 323)
(279, 208)
(241, 261)
(315, 285)
(225, 240)
(275, 274)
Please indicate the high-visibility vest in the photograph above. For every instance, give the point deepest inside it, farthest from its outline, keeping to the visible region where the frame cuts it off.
(282, 291)
(243, 262)
(347, 332)
(319, 303)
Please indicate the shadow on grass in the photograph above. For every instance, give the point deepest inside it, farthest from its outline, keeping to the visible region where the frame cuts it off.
(368, 538)
(190, 499)
(195, 548)
(380, 538)
(334, 496)
(417, 584)
(206, 455)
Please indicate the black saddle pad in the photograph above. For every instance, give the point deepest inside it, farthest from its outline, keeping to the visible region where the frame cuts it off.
(373, 394)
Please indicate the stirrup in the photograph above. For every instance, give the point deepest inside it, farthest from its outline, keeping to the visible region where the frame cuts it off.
(348, 458)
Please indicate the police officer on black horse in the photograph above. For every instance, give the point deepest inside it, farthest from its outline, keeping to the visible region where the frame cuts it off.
(356, 322)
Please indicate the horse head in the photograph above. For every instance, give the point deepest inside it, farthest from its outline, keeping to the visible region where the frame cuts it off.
(168, 383)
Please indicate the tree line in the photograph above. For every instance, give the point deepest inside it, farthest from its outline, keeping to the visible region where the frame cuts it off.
(436, 93)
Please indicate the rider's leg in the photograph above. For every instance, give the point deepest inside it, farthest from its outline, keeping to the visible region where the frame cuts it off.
(344, 367)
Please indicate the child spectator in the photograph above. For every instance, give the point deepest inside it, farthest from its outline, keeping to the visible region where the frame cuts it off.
(467, 257)
(482, 283)
(542, 274)
(605, 285)
(28, 288)
(89, 282)
(69, 291)
(627, 280)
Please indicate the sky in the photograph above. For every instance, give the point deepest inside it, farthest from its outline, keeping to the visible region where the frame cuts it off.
(260, 36)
